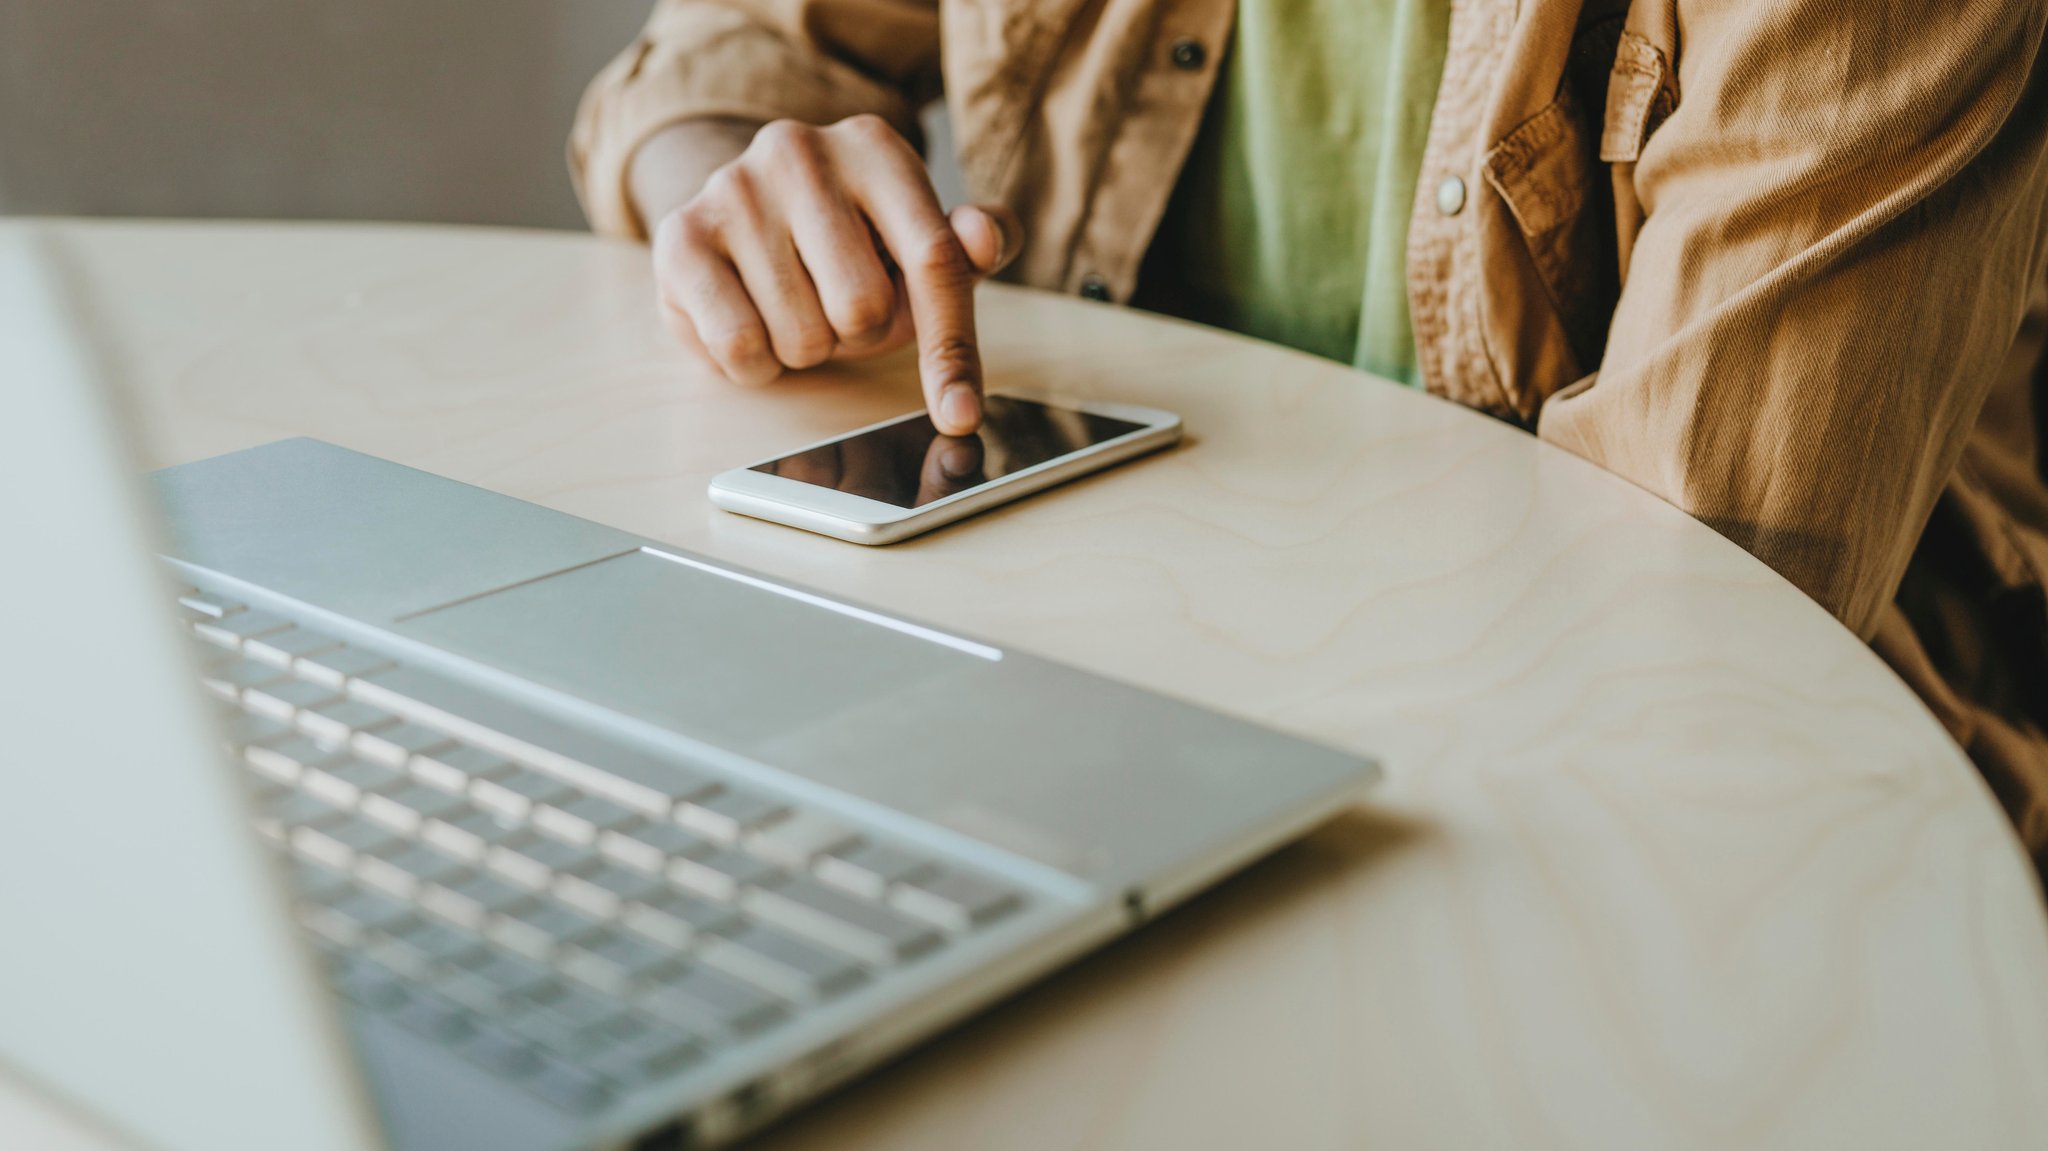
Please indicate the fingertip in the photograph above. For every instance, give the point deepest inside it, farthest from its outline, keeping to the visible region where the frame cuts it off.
(988, 234)
(958, 412)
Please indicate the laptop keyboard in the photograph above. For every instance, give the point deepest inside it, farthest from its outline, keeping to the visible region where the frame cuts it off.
(573, 916)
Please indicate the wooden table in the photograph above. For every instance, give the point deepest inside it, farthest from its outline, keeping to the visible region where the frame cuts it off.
(1665, 859)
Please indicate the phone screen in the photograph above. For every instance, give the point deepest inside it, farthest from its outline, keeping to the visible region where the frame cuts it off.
(909, 464)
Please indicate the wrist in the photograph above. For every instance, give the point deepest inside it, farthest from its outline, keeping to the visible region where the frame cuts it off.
(671, 166)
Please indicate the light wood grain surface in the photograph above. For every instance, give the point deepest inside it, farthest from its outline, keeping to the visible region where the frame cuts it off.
(1665, 858)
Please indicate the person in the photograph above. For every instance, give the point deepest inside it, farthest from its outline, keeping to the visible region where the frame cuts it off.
(1784, 265)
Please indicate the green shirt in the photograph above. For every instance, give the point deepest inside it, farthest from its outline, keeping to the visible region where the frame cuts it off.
(1290, 222)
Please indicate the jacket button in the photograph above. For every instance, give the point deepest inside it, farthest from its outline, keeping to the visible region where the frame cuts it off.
(1189, 55)
(1450, 196)
(1093, 287)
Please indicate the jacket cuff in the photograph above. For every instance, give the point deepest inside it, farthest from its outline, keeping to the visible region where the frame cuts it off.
(697, 61)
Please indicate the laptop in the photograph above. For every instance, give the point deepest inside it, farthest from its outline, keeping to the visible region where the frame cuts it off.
(354, 808)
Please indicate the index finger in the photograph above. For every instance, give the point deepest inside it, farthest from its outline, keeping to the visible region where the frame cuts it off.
(938, 280)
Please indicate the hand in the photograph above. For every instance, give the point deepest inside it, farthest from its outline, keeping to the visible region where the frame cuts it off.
(822, 243)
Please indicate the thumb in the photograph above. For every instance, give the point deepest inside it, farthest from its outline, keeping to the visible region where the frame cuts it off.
(990, 233)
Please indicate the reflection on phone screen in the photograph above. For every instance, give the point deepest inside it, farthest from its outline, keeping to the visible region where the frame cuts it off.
(909, 464)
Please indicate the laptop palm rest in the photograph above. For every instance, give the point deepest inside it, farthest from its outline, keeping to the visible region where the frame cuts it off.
(1088, 776)
(642, 633)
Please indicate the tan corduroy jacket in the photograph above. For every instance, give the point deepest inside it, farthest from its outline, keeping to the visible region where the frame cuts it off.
(1784, 264)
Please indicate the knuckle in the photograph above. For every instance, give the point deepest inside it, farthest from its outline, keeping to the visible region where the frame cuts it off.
(809, 347)
(786, 145)
(716, 186)
(866, 316)
(731, 182)
(732, 199)
(951, 358)
(781, 136)
(668, 233)
(938, 256)
(736, 348)
(692, 228)
(867, 126)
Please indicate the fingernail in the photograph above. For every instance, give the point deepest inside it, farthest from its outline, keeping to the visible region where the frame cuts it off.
(956, 460)
(959, 407)
(1003, 238)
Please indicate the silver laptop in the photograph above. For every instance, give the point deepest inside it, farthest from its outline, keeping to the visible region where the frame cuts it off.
(349, 807)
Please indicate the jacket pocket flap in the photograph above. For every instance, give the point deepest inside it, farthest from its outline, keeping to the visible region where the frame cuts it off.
(1639, 95)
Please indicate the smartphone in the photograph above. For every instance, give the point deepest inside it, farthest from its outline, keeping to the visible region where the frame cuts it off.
(892, 480)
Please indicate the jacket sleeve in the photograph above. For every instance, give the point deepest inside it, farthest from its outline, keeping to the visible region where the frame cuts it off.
(811, 60)
(1840, 220)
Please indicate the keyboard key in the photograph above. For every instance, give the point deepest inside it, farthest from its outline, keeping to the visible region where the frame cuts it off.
(286, 758)
(603, 887)
(210, 605)
(394, 745)
(721, 874)
(675, 918)
(311, 881)
(554, 1034)
(580, 818)
(282, 699)
(228, 680)
(534, 862)
(411, 805)
(780, 963)
(367, 982)
(953, 900)
(231, 630)
(649, 784)
(355, 914)
(451, 768)
(512, 794)
(433, 1016)
(474, 993)
(266, 792)
(725, 815)
(293, 809)
(241, 729)
(337, 843)
(649, 846)
(208, 658)
(404, 871)
(336, 666)
(495, 1049)
(281, 648)
(471, 900)
(538, 929)
(809, 908)
(473, 834)
(576, 1006)
(339, 720)
(869, 870)
(438, 942)
(568, 1087)
(795, 840)
(649, 1052)
(510, 974)
(699, 997)
(344, 781)
(611, 960)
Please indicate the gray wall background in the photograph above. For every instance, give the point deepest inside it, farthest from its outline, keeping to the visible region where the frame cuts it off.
(437, 110)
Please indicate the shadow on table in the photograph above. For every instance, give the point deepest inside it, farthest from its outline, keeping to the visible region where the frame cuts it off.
(1269, 890)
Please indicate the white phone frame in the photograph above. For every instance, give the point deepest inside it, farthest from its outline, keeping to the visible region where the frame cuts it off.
(857, 519)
